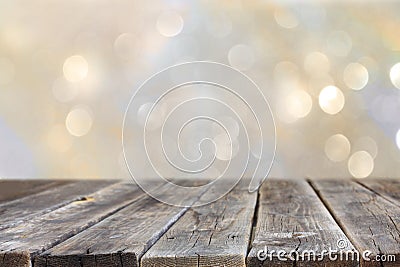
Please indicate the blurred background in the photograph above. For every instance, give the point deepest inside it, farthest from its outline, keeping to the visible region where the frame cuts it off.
(331, 72)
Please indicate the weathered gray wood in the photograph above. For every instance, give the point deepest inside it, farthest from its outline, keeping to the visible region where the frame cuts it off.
(13, 189)
(118, 224)
(121, 239)
(23, 209)
(212, 235)
(387, 188)
(43, 232)
(19, 258)
(292, 220)
(370, 221)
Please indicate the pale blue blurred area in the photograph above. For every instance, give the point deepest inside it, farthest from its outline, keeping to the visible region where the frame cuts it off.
(16, 159)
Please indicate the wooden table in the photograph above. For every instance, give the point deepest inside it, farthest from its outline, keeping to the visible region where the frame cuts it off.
(113, 223)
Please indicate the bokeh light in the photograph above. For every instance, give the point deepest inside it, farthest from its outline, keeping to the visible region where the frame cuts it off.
(355, 76)
(286, 18)
(360, 164)
(151, 117)
(337, 147)
(331, 99)
(395, 75)
(75, 68)
(368, 144)
(316, 62)
(230, 124)
(124, 46)
(170, 24)
(299, 103)
(241, 57)
(398, 138)
(226, 148)
(79, 121)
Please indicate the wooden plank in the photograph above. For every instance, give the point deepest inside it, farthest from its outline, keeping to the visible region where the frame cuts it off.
(121, 239)
(43, 232)
(371, 222)
(23, 209)
(387, 188)
(14, 258)
(291, 221)
(212, 235)
(13, 189)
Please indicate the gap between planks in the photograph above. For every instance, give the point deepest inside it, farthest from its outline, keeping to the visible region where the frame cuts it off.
(293, 220)
(18, 246)
(22, 256)
(370, 221)
(216, 234)
(108, 243)
(389, 189)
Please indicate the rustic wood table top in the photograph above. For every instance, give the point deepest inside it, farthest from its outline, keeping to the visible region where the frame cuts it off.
(114, 223)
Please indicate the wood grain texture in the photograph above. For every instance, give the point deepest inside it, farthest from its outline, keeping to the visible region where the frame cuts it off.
(292, 219)
(119, 225)
(47, 230)
(370, 221)
(121, 239)
(387, 188)
(212, 235)
(23, 209)
(12, 258)
(13, 189)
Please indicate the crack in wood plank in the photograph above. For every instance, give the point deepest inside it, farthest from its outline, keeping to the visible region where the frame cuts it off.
(369, 220)
(213, 235)
(149, 218)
